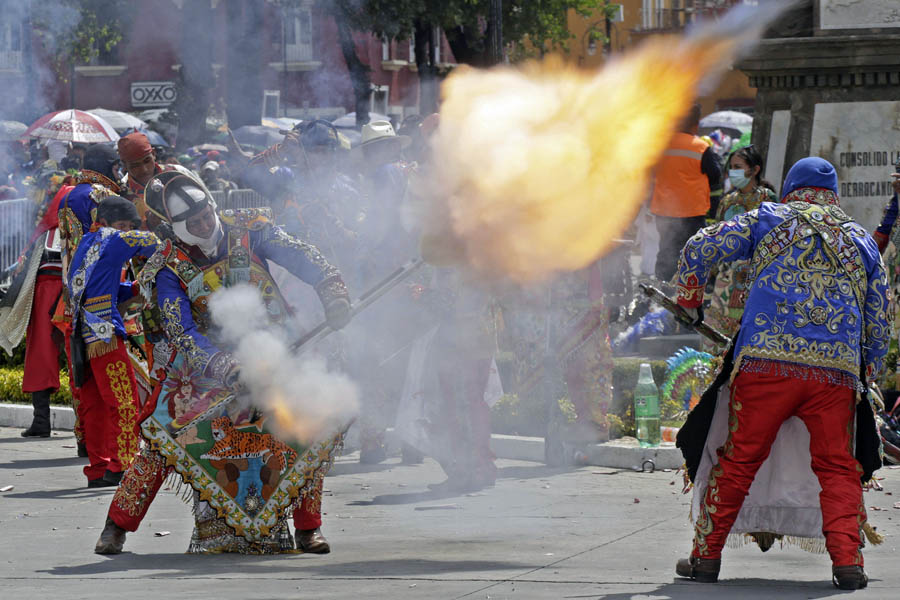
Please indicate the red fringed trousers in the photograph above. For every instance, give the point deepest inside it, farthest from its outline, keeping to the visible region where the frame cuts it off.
(145, 476)
(109, 407)
(760, 403)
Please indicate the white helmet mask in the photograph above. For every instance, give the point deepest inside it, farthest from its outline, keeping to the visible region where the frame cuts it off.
(178, 206)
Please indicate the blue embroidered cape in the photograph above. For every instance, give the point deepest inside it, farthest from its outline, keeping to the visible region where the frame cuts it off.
(95, 282)
(817, 305)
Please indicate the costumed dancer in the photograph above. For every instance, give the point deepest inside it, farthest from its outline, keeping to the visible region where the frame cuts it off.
(443, 412)
(102, 368)
(28, 307)
(814, 332)
(77, 210)
(244, 478)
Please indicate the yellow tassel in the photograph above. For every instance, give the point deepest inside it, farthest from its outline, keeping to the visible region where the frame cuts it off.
(873, 536)
(100, 348)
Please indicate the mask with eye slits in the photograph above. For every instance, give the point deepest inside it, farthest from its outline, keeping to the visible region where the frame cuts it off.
(175, 197)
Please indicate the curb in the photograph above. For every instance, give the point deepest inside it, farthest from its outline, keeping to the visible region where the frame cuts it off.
(617, 455)
(19, 415)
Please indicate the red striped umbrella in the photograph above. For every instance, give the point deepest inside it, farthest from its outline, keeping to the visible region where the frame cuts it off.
(72, 126)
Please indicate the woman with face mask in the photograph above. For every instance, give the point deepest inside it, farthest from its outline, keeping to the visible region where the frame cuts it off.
(747, 193)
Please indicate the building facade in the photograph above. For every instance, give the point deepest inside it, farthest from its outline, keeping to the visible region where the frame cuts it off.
(301, 65)
(638, 19)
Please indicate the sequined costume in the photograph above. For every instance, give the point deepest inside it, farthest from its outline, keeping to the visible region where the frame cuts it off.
(76, 212)
(240, 501)
(109, 395)
(815, 328)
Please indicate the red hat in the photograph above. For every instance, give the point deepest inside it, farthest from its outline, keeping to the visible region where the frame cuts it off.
(212, 155)
(134, 146)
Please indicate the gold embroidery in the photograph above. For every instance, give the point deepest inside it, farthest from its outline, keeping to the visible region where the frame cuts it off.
(133, 492)
(195, 356)
(120, 384)
(139, 238)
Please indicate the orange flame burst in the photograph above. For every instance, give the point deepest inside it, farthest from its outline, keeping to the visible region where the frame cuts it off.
(538, 169)
(292, 423)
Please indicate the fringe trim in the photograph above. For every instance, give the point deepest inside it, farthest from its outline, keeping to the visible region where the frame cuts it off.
(101, 348)
(782, 368)
(182, 490)
(875, 538)
(811, 545)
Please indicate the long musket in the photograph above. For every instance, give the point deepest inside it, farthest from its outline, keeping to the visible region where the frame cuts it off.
(314, 335)
(710, 333)
(374, 293)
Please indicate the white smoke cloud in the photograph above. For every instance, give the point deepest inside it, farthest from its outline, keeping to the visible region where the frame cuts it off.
(302, 399)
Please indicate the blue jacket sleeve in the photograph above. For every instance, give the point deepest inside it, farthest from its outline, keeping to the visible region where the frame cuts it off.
(878, 313)
(726, 241)
(179, 325)
(301, 260)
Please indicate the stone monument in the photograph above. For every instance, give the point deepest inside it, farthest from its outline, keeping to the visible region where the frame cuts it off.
(828, 84)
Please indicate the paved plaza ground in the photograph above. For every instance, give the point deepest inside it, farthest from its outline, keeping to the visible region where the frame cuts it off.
(541, 532)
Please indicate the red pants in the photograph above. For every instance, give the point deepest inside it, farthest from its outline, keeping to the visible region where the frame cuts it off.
(760, 403)
(145, 476)
(41, 349)
(109, 412)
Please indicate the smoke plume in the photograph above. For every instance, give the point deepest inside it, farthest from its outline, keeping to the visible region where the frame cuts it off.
(302, 399)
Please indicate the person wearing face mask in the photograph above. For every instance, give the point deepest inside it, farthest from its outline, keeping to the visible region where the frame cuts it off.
(748, 192)
(242, 494)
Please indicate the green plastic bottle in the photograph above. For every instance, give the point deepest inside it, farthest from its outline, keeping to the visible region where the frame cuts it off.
(646, 408)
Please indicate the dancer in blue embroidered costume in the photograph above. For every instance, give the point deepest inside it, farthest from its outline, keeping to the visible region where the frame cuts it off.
(814, 332)
(103, 370)
(242, 492)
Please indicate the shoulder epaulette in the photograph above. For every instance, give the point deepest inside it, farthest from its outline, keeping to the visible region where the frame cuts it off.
(252, 219)
(92, 177)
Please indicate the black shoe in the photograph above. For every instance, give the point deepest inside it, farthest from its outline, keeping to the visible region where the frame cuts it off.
(112, 539)
(312, 541)
(851, 577)
(34, 432)
(704, 570)
(112, 478)
(99, 483)
(82, 450)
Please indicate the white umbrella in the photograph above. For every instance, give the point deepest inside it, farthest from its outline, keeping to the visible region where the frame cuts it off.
(73, 126)
(118, 119)
(727, 119)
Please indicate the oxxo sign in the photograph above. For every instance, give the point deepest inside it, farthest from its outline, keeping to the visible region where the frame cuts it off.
(152, 93)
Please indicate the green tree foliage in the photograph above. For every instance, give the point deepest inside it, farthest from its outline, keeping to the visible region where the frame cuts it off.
(75, 31)
(466, 25)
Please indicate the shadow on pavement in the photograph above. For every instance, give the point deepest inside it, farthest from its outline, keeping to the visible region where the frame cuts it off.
(81, 492)
(43, 463)
(407, 498)
(356, 468)
(181, 565)
(733, 589)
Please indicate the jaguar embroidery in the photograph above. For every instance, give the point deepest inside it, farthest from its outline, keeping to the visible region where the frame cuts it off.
(234, 444)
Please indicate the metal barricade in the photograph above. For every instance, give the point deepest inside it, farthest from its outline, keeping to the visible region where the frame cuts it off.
(16, 227)
(220, 197)
(245, 198)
